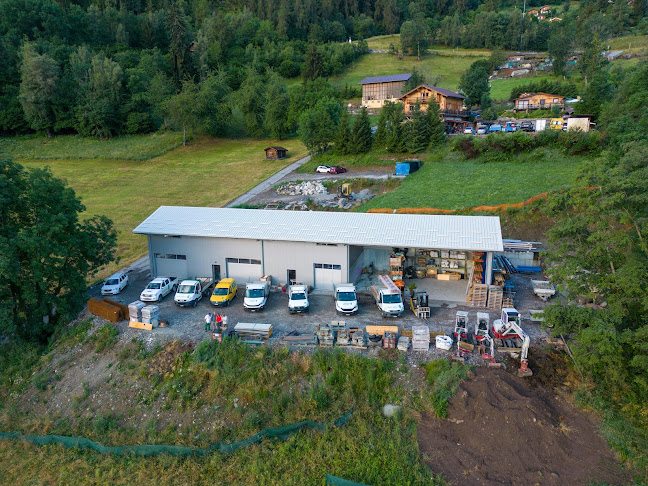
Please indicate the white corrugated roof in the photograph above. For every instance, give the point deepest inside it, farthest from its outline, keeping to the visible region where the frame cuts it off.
(480, 233)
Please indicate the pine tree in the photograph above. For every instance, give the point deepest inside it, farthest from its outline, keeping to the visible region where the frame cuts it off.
(380, 138)
(343, 136)
(395, 140)
(361, 135)
(418, 131)
(313, 64)
(435, 125)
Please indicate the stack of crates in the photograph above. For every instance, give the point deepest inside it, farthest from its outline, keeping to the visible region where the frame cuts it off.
(150, 315)
(420, 338)
(135, 310)
(389, 340)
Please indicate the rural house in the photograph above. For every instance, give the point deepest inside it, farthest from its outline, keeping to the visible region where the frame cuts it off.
(538, 101)
(450, 103)
(379, 89)
(275, 153)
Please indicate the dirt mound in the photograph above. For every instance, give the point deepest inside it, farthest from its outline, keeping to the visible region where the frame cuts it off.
(502, 430)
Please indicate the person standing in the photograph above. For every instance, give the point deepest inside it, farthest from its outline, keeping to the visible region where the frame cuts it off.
(208, 319)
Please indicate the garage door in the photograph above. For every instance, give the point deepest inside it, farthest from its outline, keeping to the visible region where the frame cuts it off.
(327, 275)
(168, 265)
(244, 269)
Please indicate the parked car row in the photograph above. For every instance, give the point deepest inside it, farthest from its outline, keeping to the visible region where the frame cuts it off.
(190, 291)
(330, 169)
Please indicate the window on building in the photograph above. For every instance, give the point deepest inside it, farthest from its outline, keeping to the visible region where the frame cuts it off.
(170, 256)
(246, 261)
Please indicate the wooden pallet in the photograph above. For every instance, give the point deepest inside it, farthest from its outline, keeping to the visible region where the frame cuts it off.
(140, 325)
(479, 295)
(495, 297)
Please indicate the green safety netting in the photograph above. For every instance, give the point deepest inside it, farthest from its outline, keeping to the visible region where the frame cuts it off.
(281, 433)
(335, 481)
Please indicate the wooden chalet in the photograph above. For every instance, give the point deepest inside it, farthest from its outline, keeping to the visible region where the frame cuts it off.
(377, 90)
(275, 153)
(450, 104)
(538, 101)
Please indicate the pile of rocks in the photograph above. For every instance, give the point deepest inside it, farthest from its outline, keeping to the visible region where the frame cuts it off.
(306, 188)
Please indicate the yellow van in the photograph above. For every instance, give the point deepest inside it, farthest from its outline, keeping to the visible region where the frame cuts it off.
(224, 292)
(556, 124)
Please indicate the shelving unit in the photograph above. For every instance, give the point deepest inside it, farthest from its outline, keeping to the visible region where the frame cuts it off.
(433, 262)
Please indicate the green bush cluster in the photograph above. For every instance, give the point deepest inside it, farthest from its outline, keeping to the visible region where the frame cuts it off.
(443, 377)
(499, 147)
(105, 337)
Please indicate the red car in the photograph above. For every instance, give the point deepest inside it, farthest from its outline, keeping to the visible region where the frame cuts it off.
(336, 169)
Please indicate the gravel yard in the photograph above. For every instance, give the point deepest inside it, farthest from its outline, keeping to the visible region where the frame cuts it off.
(186, 324)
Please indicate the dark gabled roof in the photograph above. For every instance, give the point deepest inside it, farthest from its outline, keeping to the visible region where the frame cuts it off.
(443, 91)
(386, 79)
(276, 148)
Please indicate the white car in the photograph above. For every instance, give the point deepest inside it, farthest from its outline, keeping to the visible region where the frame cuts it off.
(482, 130)
(469, 131)
(114, 284)
(323, 169)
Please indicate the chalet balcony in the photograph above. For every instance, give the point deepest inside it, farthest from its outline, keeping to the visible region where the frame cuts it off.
(539, 106)
(409, 110)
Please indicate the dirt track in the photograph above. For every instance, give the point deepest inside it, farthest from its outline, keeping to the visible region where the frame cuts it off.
(503, 430)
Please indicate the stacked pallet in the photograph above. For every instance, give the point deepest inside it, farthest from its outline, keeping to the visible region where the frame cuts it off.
(389, 340)
(325, 335)
(135, 310)
(299, 340)
(253, 333)
(495, 296)
(479, 295)
(105, 310)
(343, 337)
(403, 343)
(150, 315)
(420, 338)
(123, 308)
(357, 338)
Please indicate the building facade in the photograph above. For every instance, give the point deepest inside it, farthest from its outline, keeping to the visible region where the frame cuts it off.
(379, 89)
(450, 103)
(538, 101)
(316, 248)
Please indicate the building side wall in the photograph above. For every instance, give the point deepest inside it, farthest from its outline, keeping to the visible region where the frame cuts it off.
(280, 256)
(202, 253)
(374, 95)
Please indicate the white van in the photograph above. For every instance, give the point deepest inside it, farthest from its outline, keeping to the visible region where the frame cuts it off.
(115, 284)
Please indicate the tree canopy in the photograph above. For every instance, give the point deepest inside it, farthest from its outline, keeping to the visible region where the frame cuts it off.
(46, 251)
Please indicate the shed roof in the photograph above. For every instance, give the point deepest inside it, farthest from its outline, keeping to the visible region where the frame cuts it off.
(443, 91)
(276, 148)
(480, 233)
(525, 96)
(386, 79)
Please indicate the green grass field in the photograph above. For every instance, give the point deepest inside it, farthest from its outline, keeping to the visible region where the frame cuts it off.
(501, 88)
(208, 172)
(445, 69)
(447, 181)
(630, 43)
(128, 147)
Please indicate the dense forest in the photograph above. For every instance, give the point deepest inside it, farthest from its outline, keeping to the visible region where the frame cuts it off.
(103, 68)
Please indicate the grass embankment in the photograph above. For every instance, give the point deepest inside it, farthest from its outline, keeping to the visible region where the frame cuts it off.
(445, 69)
(448, 181)
(207, 172)
(128, 147)
(501, 88)
(222, 393)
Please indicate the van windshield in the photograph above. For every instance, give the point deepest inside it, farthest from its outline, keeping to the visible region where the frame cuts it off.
(392, 299)
(112, 281)
(153, 285)
(186, 289)
(346, 296)
(254, 293)
(298, 296)
(220, 291)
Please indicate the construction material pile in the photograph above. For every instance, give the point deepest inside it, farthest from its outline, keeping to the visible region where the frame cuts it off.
(420, 338)
(150, 315)
(306, 188)
(135, 310)
(108, 309)
(253, 333)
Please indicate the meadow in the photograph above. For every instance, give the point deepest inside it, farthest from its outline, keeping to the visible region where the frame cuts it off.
(207, 172)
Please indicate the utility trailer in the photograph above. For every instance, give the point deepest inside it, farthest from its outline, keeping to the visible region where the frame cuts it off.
(543, 289)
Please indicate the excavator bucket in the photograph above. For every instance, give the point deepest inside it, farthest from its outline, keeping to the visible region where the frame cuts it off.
(524, 370)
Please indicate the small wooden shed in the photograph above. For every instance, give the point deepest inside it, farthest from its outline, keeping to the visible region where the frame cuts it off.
(275, 153)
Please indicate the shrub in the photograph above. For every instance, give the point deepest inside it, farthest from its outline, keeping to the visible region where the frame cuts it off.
(105, 337)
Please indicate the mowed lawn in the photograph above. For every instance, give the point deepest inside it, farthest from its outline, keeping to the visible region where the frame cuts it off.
(208, 172)
(501, 88)
(128, 147)
(447, 69)
(450, 182)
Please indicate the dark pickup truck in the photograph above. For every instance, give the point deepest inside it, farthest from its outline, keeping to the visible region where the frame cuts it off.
(527, 126)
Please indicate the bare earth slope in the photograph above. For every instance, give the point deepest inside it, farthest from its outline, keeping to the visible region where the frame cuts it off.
(502, 431)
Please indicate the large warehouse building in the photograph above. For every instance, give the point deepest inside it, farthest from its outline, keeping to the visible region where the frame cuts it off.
(315, 248)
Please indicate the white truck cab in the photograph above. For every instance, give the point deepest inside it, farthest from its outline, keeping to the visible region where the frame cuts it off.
(190, 291)
(256, 294)
(346, 300)
(298, 299)
(388, 297)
